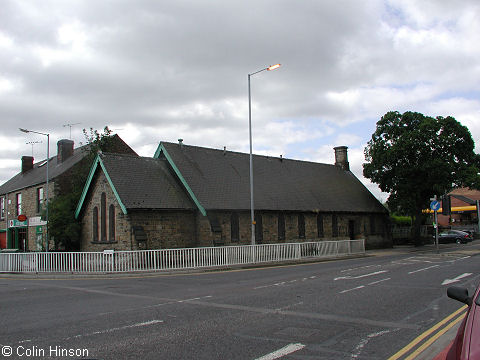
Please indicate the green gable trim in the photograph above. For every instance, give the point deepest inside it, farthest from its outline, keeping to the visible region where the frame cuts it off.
(93, 169)
(161, 150)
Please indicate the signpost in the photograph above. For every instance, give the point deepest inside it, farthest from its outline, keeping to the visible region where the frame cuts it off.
(435, 206)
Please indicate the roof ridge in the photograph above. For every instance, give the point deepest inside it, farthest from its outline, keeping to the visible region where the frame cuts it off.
(280, 158)
(132, 156)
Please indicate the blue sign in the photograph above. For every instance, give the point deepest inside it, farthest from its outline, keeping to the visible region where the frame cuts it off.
(435, 205)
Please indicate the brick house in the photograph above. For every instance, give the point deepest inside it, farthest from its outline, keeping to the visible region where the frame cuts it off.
(463, 209)
(189, 196)
(25, 193)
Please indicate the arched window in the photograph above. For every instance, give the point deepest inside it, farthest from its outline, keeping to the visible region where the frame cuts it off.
(111, 222)
(95, 223)
(103, 217)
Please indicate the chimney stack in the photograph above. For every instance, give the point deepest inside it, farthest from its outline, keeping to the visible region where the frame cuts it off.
(341, 157)
(180, 142)
(27, 163)
(64, 150)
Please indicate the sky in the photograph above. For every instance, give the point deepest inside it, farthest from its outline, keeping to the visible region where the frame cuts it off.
(162, 70)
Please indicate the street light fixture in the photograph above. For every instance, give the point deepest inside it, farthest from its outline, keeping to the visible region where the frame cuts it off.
(48, 158)
(252, 214)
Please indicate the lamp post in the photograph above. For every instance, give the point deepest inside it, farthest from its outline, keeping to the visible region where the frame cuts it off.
(48, 158)
(252, 207)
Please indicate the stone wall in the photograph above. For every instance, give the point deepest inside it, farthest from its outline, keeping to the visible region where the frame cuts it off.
(375, 231)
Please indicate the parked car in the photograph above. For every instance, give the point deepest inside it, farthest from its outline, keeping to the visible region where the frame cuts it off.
(467, 341)
(454, 236)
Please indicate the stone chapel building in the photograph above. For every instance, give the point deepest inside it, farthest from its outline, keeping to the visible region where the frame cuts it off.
(190, 196)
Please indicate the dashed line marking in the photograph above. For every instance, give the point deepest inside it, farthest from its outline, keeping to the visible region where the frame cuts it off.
(364, 286)
(379, 281)
(349, 277)
(355, 288)
(424, 269)
(286, 350)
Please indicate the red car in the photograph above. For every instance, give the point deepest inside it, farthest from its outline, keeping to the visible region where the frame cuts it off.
(467, 342)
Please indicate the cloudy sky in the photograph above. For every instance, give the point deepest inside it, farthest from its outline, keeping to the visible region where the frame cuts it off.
(162, 70)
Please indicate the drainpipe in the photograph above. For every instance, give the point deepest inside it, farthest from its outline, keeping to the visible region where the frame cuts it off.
(6, 216)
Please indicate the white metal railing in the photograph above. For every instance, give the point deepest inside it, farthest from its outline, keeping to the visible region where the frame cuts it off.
(173, 259)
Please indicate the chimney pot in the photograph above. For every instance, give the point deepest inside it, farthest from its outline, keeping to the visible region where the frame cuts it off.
(341, 157)
(27, 163)
(64, 150)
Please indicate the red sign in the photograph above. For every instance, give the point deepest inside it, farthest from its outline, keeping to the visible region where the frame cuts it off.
(22, 217)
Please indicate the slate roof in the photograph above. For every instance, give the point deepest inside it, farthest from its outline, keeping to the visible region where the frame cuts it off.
(145, 183)
(220, 181)
(38, 174)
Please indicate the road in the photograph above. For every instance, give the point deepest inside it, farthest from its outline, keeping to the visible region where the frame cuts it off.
(364, 308)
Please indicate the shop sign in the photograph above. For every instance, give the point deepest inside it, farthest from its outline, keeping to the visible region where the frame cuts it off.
(16, 223)
(36, 221)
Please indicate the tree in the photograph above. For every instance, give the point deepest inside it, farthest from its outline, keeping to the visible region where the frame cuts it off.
(63, 227)
(413, 157)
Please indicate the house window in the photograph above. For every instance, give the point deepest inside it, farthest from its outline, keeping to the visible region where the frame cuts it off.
(19, 204)
(281, 227)
(258, 228)
(39, 199)
(2, 208)
(372, 225)
(320, 225)
(111, 222)
(234, 227)
(95, 223)
(103, 217)
(334, 226)
(301, 226)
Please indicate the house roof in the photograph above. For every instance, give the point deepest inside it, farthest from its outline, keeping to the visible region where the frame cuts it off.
(461, 197)
(139, 183)
(218, 179)
(38, 174)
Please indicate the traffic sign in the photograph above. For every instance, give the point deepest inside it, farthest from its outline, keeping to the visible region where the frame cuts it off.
(435, 205)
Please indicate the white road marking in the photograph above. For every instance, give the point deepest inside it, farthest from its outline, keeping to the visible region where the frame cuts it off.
(283, 283)
(427, 268)
(359, 348)
(146, 323)
(458, 278)
(360, 267)
(355, 288)
(363, 286)
(360, 276)
(290, 348)
(379, 281)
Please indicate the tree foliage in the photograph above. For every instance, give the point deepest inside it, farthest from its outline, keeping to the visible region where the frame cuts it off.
(63, 227)
(413, 157)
